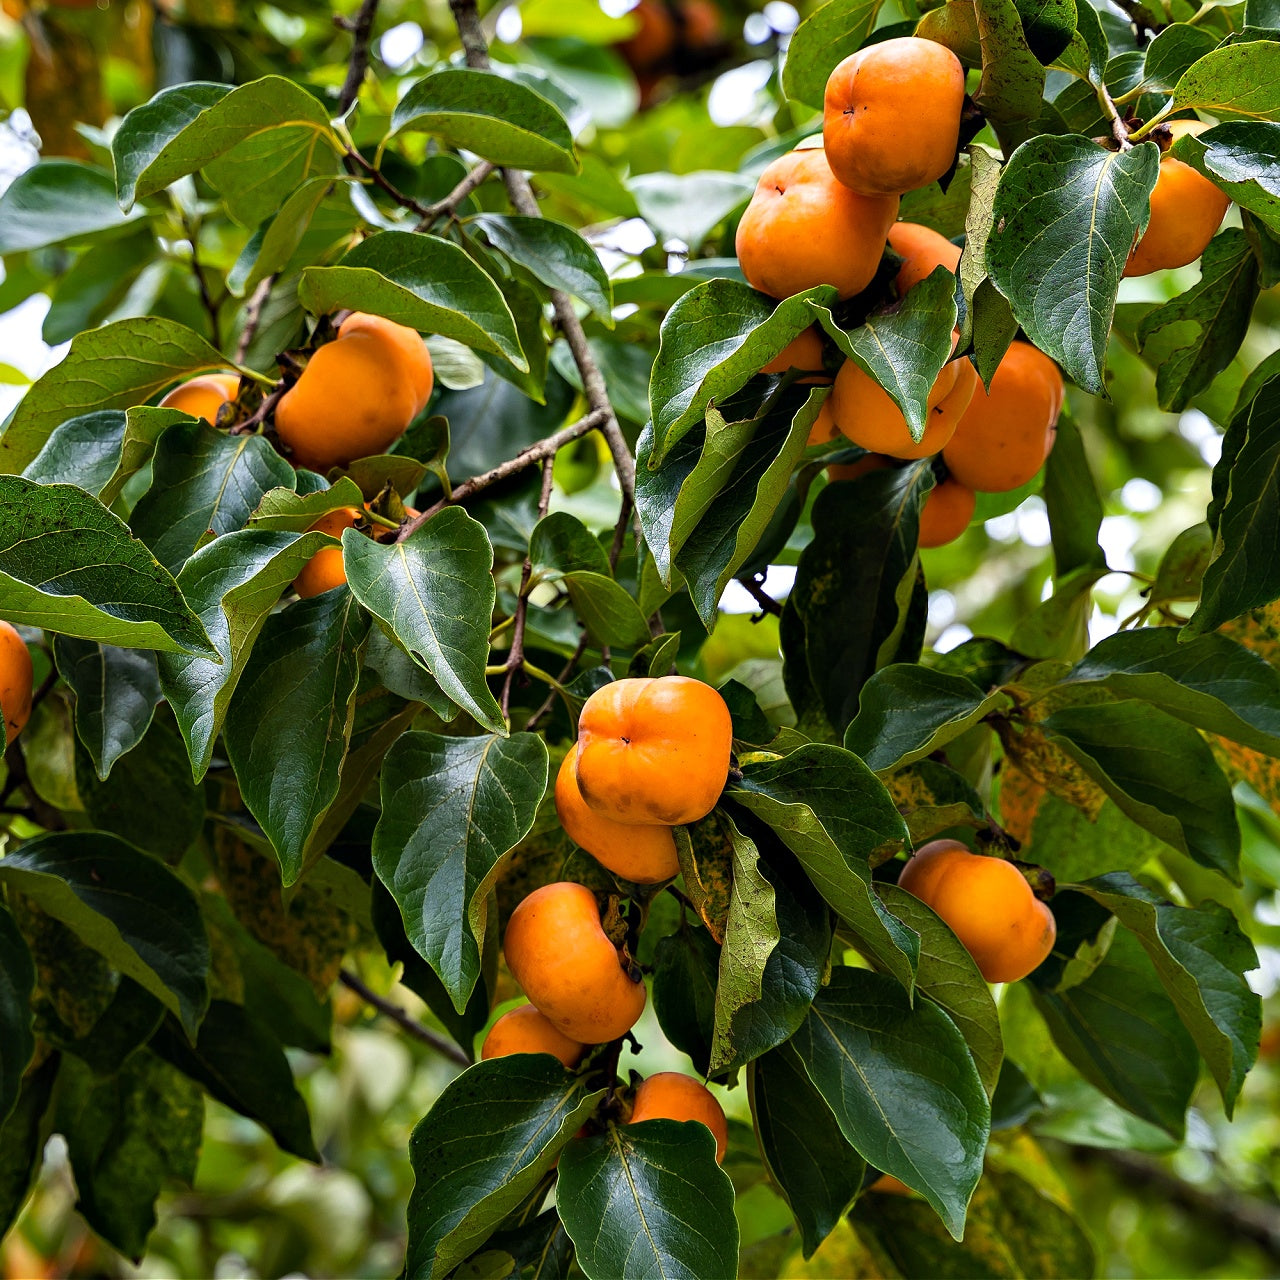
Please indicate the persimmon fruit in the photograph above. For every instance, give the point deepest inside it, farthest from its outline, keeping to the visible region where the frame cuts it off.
(803, 352)
(643, 854)
(325, 570)
(15, 681)
(654, 37)
(202, 397)
(1186, 210)
(564, 962)
(357, 393)
(654, 750)
(987, 903)
(922, 251)
(891, 116)
(887, 1184)
(946, 514)
(525, 1030)
(672, 1095)
(1006, 433)
(803, 228)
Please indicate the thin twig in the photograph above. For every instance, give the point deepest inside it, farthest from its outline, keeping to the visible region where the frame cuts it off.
(361, 28)
(355, 161)
(565, 672)
(515, 656)
(620, 532)
(206, 298)
(253, 316)
(1119, 130)
(264, 410)
(525, 458)
(755, 589)
(472, 179)
(19, 780)
(397, 1015)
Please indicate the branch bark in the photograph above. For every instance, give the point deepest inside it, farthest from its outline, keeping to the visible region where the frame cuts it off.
(397, 1015)
(361, 29)
(253, 317)
(449, 203)
(515, 658)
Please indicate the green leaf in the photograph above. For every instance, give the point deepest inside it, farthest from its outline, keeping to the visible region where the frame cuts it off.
(17, 1044)
(289, 723)
(116, 694)
(649, 1201)
(561, 543)
(903, 350)
(274, 121)
(906, 712)
(984, 168)
(239, 1061)
(500, 119)
(1171, 52)
(815, 1167)
(452, 809)
(1244, 572)
(1075, 507)
(1243, 158)
(1191, 339)
(1236, 81)
(833, 813)
(71, 566)
(233, 583)
(607, 610)
(715, 338)
(1211, 681)
(203, 481)
(902, 1085)
(57, 201)
(684, 991)
(118, 366)
(482, 1148)
(434, 593)
(1201, 957)
(827, 36)
(22, 1140)
(125, 905)
(420, 281)
(129, 1135)
(557, 255)
(1048, 26)
(98, 452)
(1066, 213)
(689, 206)
(1012, 76)
(948, 976)
(1121, 1031)
(1160, 772)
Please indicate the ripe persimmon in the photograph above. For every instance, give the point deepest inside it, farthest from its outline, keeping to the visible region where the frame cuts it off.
(671, 1095)
(854, 470)
(1006, 433)
(654, 750)
(202, 397)
(564, 962)
(922, 250)
(988, 904)
(946, 513)
(803, 228)
(357, 393)
(324, 570)
(15, 681)
(867, 415)
(1186, 209)
(525, 1030)
(891, 115)
(824, 428)
(887, 1184)
(804, 352)
(643, 854)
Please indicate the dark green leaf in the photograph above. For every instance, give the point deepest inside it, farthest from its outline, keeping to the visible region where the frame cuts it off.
(452, 808)
(1170, 54)
(1012, 76)
(607, 610)
(492, 1134)
(1048, 26)
(1237, 81)
(434, 593)
(57, 201)
(1066, 214)
(125, 905)
(1243, 158)
(561, 543)
(1075, 508)
(22, 1139)
(902, 1086)
(289, 723)
(684, 992)
(827, 36)
(17, 1044)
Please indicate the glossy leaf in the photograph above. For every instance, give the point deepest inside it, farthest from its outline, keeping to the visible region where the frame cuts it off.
(1073, 502)
(57, 201)
(22, 1139)
(1243, 158)
(1012, 76)
(17, 980)
(829, 34)
(689, 206)
(1234, 82)
(685, 968)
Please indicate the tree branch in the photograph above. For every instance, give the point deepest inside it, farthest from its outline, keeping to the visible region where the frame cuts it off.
(449, 203)
(525, 458)
(361, 29)
(356, 161)
(515, 658)
(253, 316)
(206, 298)
(755, 588)
(397, 1015)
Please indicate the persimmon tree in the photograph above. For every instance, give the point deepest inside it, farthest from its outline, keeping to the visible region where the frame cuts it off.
(270, 723)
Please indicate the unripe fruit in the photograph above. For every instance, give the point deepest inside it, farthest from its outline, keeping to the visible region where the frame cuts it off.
(202, 397)
(325, 570)
(1186, 209)
(671, 1095)
(566, 965)
(15, 681)
(868, 416)
(357, 394)
(946, 514)
(1006, 433)
(654, 750)
(891, 115)
(987, 903)
(922, 250)
(525, 1030)
(641, 854)
(803, 228)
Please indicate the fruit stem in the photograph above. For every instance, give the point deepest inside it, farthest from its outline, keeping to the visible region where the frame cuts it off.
(1140, 135)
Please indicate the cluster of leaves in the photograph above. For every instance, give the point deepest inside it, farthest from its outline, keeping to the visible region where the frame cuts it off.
(225, 790)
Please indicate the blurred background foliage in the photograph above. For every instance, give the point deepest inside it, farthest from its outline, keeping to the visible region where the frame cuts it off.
(665, 146)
